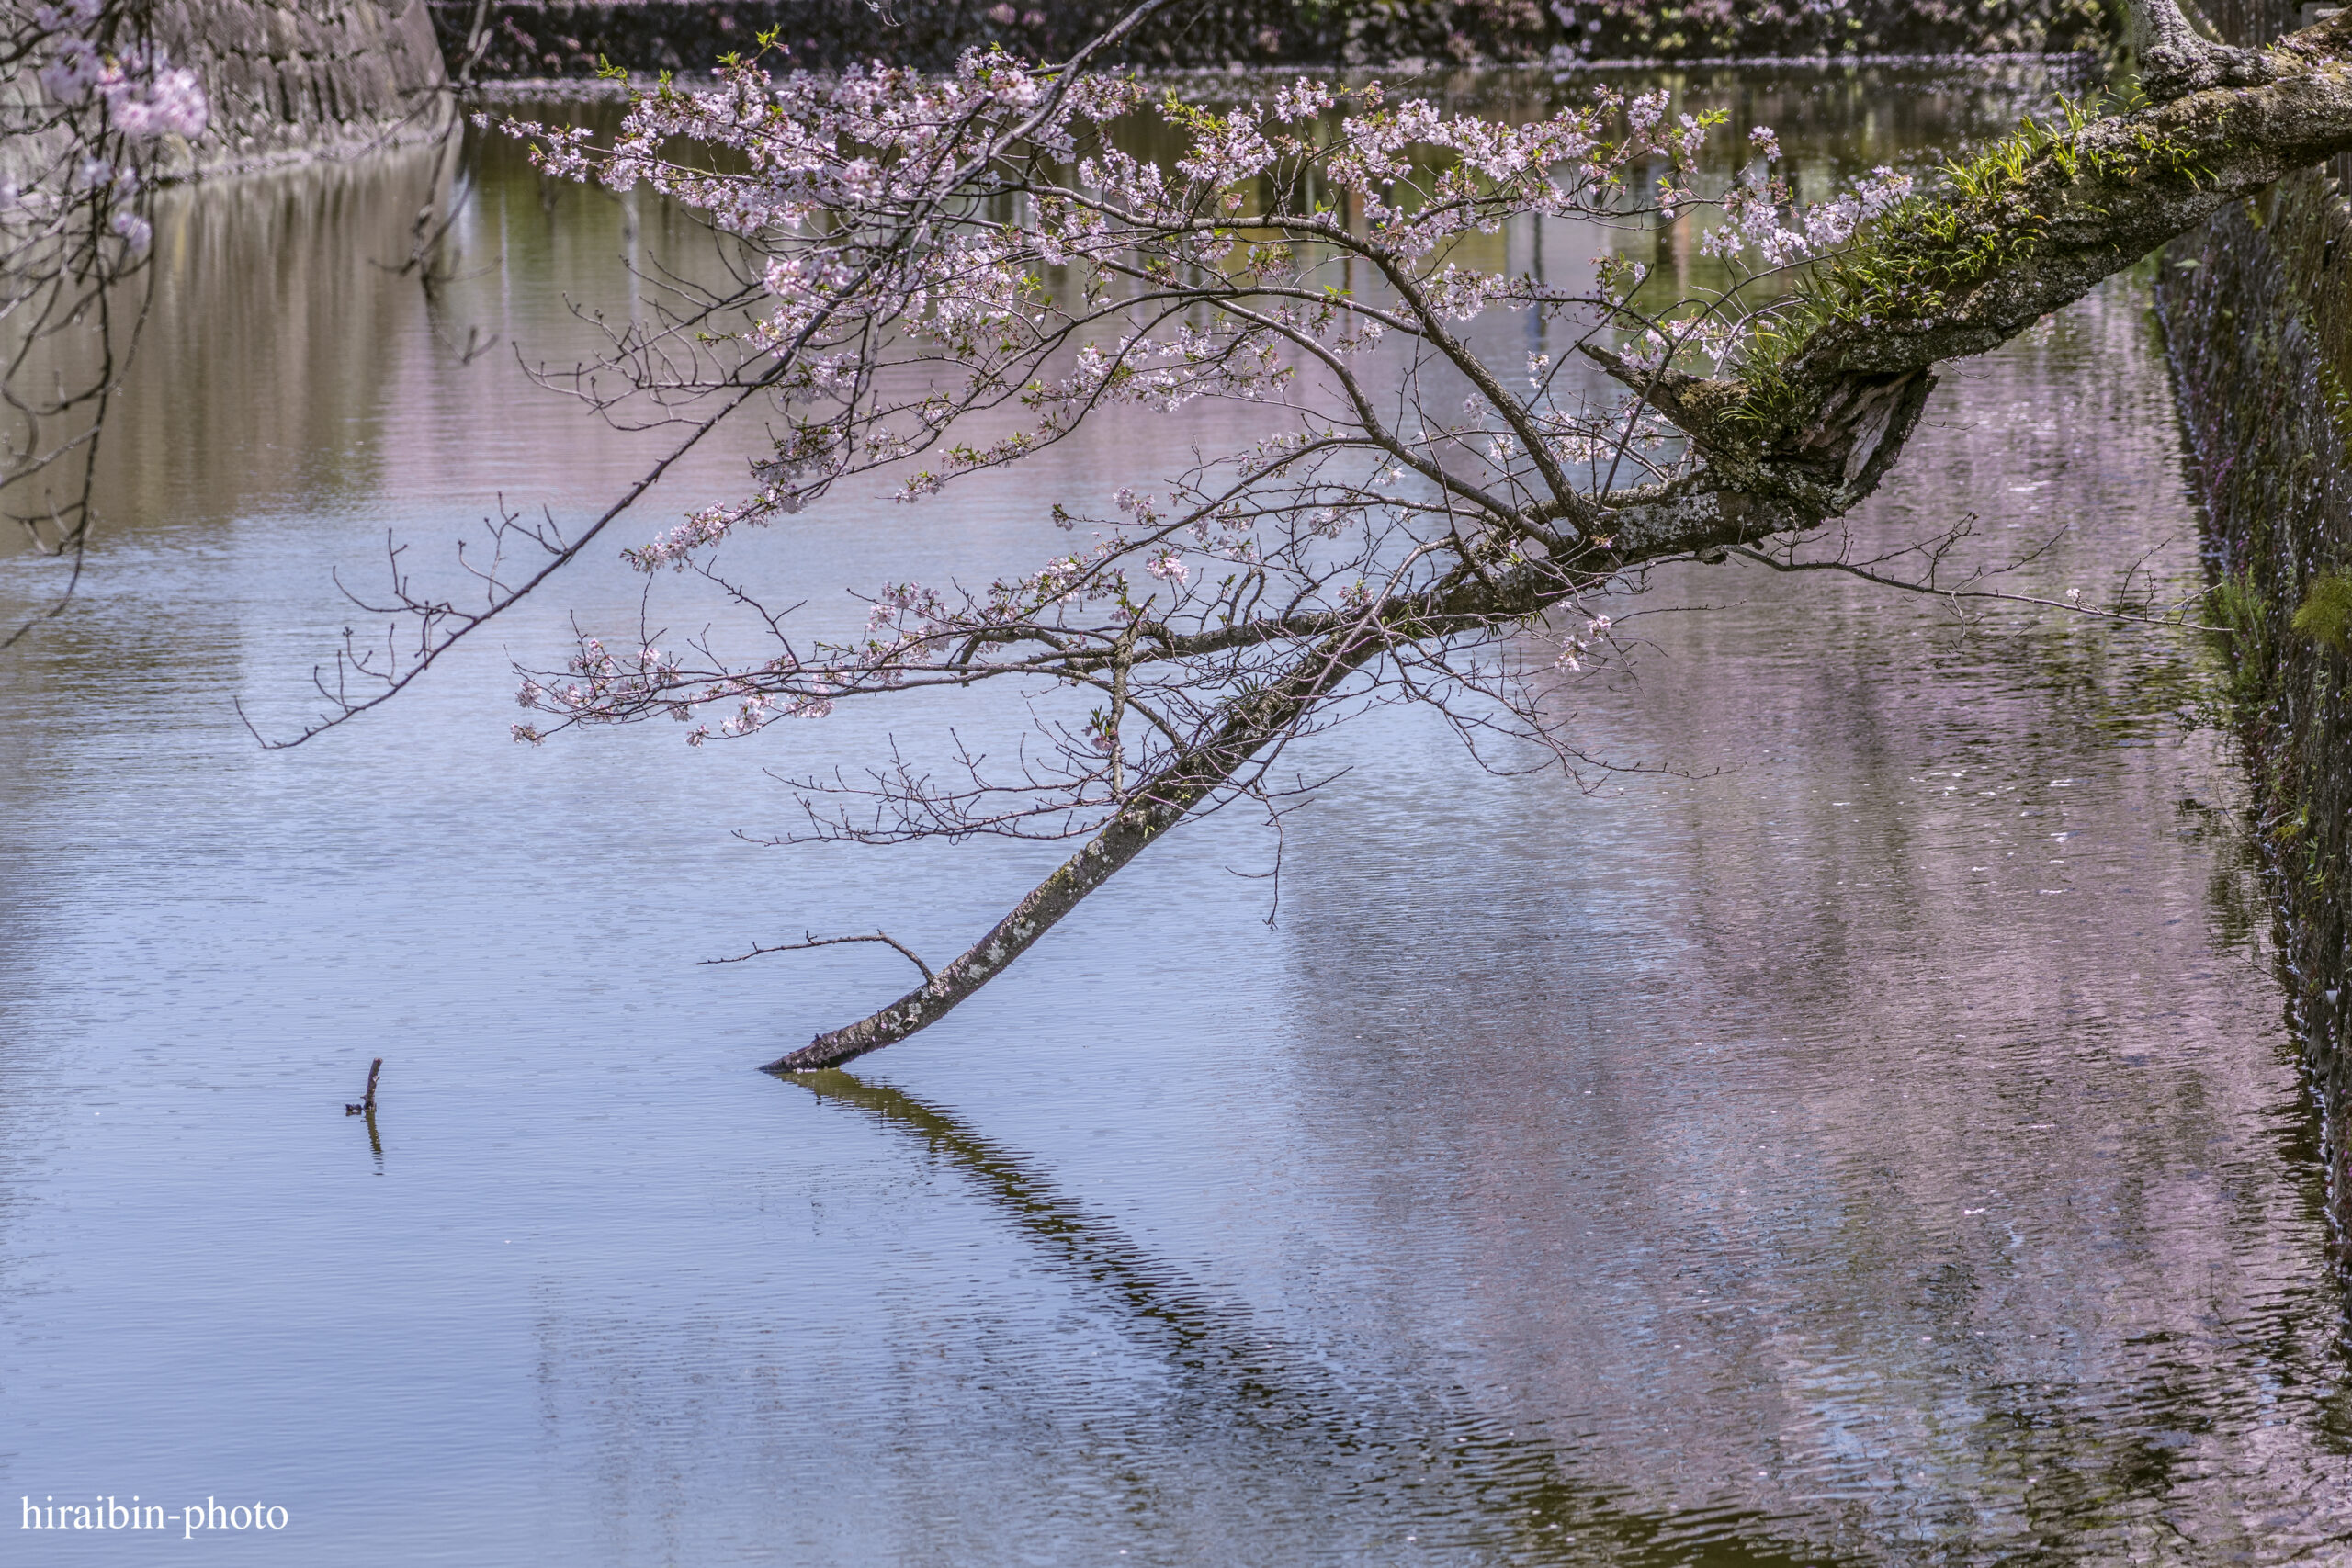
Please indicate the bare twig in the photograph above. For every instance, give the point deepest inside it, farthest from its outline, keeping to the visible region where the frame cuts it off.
(813, 940)
(2174, 619)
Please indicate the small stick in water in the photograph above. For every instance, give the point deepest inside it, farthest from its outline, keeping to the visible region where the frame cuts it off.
(366, 1106)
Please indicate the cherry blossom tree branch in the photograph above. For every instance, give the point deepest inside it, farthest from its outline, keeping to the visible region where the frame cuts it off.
(931, 256)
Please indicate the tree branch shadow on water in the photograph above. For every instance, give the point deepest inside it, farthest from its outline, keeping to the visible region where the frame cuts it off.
(1398, 1440)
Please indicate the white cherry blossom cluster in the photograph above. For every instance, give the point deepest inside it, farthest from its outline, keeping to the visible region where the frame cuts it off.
(601, 681)
(143, 94)
(1763, 219)
(147, 99)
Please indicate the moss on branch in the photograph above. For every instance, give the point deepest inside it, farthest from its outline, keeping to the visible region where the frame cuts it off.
(1909, 270)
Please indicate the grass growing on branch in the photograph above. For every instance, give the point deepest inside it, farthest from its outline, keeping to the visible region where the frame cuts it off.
(1988, 214)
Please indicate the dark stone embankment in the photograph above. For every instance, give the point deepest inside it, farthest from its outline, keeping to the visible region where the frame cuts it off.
(2257, 309)
(527, 38)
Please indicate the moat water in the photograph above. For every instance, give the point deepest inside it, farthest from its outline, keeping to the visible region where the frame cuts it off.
(1868, 1137)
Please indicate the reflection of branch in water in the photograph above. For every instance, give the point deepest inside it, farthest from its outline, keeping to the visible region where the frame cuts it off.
(1517, 1479)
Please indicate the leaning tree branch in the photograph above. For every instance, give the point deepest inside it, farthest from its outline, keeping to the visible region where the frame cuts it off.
(2086, 207)
(1249, 725)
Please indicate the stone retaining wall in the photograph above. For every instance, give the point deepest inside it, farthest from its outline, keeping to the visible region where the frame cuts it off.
(2257, 310)
(567, 38)
(290, 77)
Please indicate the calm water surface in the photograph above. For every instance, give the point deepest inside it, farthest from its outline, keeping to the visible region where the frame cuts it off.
(1868, 1139)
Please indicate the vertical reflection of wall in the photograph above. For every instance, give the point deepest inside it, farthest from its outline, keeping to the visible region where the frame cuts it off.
(1662, 248)
(1674, 1100)
(279, 325)
(1538, 322)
